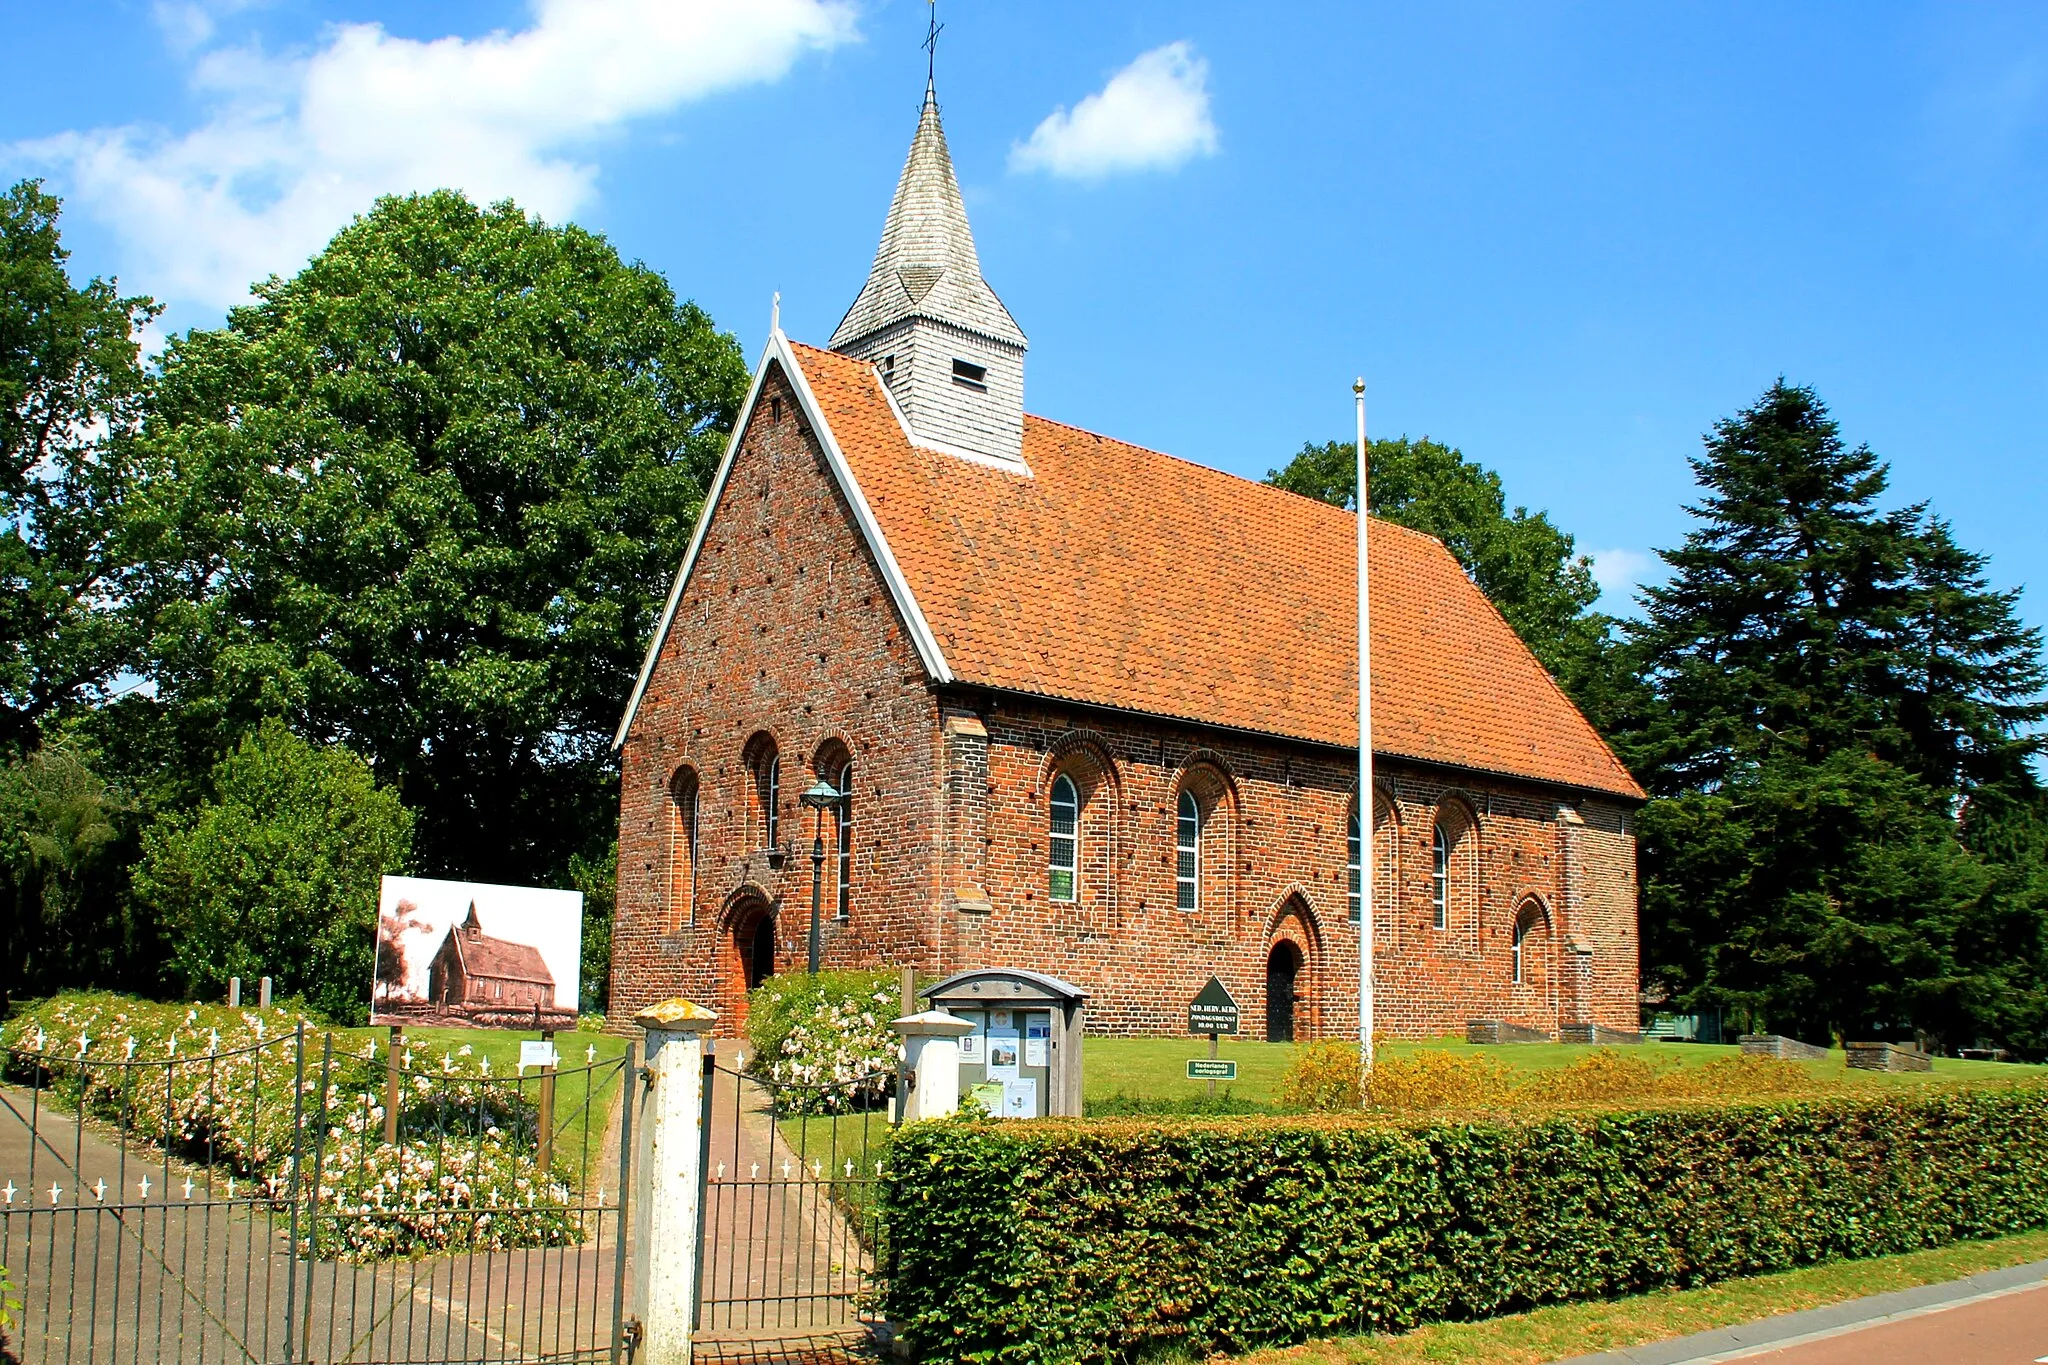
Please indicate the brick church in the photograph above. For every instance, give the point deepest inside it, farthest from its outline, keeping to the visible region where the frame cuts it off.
(1093, 708)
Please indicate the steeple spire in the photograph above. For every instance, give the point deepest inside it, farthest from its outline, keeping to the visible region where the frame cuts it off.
(951, 354)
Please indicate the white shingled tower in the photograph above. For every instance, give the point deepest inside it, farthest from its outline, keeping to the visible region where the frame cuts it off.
(952, 355)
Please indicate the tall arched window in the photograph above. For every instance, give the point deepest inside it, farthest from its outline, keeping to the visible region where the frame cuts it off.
(683, 789)
(1354, 861)
(1522, 927)
(764, 770)
(1187, 848)
(1063, 849)
(1440, 878)
(845, 832)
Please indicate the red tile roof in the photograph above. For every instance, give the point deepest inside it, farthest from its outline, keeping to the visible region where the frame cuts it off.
(1121, 577)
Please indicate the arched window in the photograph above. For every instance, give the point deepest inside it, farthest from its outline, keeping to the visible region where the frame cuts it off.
(1063, 849)
(1440, 878)
(1522, 927)
(845, 832)
(764, 767)
(1187, 848)
(1354, 861)
(683, 792)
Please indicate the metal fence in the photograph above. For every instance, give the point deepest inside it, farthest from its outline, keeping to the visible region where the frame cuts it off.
(296, 1200)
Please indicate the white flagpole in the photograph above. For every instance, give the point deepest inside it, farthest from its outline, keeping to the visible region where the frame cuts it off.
(1365, 792)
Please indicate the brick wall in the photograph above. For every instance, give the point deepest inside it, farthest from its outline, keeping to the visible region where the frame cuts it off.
(786, 634)
(787, 631)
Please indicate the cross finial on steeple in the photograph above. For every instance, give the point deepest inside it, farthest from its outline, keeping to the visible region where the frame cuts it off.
(931, 48)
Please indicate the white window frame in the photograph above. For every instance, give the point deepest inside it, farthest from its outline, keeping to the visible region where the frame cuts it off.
(1522, 924)
(843, 833)
(1069, 843)
(770, 787)
(1354, 852)
(1187, 853)
(1440, 876)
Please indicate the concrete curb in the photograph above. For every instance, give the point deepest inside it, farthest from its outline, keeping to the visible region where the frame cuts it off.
(1790, 1329)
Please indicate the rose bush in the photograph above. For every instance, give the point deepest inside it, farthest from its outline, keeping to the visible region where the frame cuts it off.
(825, 1039)
(216, 1086)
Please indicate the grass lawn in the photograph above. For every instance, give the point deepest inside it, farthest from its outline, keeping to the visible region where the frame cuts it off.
(1564, 1330)
(580, 1116)
(1156, 1068)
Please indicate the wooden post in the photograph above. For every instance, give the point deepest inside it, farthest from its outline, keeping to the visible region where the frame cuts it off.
(547, 1104)
(907, 989)
(394, 1083)
(1212, 1057)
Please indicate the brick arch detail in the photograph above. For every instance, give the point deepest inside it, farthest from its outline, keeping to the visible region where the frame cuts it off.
(685, 787)
(1387, 872)
(1547, 958)
(1459, 813)
(1206, 773)
(739, 911)
(1293, 919)
(1103, 817)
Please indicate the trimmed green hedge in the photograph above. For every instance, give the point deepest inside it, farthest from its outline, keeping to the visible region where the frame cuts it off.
(1065, 1241)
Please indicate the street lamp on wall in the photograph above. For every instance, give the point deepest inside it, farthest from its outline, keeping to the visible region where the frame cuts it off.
(821, 797)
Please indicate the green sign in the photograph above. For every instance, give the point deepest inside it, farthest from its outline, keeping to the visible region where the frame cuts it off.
(1209, 1069)
(1212, 1010)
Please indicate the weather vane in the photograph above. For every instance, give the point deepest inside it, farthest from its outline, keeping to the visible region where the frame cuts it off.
(931, 44)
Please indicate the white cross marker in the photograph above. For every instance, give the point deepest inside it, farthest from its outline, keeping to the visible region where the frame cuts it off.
(817, 1168)
(214, 1039)
(83, 1042)
(721, 1175)
(145, 1187)
(878, 1170)
(188, 1187)
(590, 1054)
(174, 1044)
(849, 1168)
(785, 1170)
(756, 1172)
(131, 1048)
(41, 1040)
(99, 1191)
(9, 1191)
(486, 1064)
(600, 1196)
(53, 1192)
(231, 1187)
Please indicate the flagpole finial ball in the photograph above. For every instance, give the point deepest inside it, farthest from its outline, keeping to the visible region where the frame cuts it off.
(1358, 385)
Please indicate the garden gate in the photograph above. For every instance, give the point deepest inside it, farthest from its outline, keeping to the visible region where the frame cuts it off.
(789, 1241)
(176, 1200)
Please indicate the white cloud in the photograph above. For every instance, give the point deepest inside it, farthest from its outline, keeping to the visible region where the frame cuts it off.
(1153, 115)
(292, 147)
(1620, 572)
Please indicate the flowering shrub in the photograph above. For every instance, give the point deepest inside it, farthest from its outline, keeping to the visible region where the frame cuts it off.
(220, 1093)
(826, 1039)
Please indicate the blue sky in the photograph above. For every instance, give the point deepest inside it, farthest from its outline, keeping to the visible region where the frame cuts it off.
(1563, 237)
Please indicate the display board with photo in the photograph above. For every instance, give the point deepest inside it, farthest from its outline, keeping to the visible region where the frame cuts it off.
(470, 954)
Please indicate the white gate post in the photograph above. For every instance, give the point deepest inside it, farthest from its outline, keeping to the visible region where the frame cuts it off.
(931, 1058)
(667, 1178)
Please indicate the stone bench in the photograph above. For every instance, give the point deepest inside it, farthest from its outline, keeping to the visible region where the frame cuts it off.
(1887, 1057)
(1779, 1046)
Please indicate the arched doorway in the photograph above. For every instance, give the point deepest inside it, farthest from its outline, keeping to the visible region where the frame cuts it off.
(1283, 972)
(746, 956)
(759, 952)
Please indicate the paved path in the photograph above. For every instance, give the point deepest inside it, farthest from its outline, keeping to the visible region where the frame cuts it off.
(1999, 1317)
(781, 1258)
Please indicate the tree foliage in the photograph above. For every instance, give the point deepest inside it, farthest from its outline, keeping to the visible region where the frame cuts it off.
(276, 873)
(66, 839)
(1840, 713)
(1524, 564)
(71, 391)
(424, 498)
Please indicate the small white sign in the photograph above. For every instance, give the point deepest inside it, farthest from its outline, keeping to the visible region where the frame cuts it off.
(1037, 1039)
(1020, 1099)
(538, 1053)
(970, 1046)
